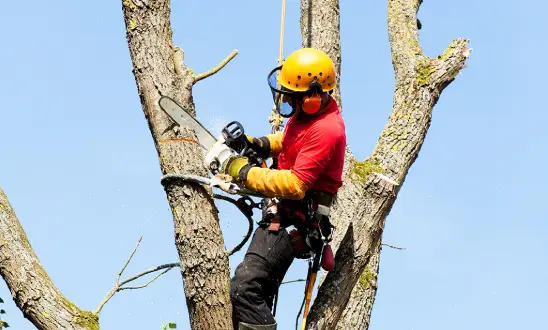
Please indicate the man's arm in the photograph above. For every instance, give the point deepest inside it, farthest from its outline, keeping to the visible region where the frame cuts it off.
(266, 146)
(275, 141)
(309, 165)
(275, 183)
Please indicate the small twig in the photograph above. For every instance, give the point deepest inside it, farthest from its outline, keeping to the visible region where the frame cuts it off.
(127, 262)
(393, 247)
(148, 271)
(293, 281)
(144, 285)
(217, 68)
(118, 285)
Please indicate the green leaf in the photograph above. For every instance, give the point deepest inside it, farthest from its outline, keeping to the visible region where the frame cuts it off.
(172, 325)
(2, 311)
(5, 324)
(1, 301)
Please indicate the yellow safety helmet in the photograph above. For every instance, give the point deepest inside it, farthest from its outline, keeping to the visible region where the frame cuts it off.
(305, 66)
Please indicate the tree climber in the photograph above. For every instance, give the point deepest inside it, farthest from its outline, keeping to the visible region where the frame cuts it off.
(310, 154)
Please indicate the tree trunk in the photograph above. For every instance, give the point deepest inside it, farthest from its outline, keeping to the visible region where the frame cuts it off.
(357, 314)
(159, 70)
(320, 28)
(371, 187)
(33, 291)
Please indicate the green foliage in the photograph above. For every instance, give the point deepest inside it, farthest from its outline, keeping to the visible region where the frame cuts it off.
(170, 325)
(3, 324)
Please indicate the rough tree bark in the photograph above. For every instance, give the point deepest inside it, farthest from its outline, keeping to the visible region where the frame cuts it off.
(357, 314)
(369, 192)
(320, 28)
(159, 70)
(31, 288)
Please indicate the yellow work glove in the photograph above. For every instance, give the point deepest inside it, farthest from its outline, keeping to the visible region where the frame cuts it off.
(233, 167)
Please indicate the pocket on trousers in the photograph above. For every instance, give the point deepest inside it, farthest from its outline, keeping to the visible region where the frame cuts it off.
(276, 248)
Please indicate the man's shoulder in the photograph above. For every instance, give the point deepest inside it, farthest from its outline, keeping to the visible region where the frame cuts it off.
(328, 131)
(332, 124)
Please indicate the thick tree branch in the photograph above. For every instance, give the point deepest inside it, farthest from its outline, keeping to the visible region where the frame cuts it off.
(419, 82)
(217, 68)
(403, 33)
(32, 289)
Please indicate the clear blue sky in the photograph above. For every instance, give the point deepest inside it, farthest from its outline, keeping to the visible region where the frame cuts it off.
(79, 166)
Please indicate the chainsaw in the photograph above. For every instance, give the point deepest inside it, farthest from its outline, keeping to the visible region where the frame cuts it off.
(231, 142)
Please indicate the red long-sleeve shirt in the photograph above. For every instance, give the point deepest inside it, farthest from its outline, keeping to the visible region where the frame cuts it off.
(313, 149)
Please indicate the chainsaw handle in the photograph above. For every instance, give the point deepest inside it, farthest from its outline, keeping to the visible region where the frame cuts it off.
(234, 136)
(233, 133)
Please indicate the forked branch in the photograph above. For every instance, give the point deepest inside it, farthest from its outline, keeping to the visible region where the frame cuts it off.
(119, 286)
(419, 83)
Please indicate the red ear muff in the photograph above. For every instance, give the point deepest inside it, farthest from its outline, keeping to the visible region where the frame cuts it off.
(311, 104)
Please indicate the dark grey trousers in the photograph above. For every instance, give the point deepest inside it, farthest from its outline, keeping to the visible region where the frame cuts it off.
(257, 278)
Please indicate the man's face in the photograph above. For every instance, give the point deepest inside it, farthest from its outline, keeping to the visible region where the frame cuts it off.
(293, 100)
